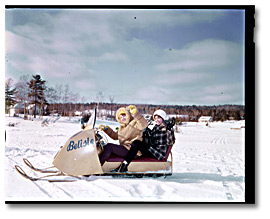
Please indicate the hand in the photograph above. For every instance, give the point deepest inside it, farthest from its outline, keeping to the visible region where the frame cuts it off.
(103, 127)
(132, 109)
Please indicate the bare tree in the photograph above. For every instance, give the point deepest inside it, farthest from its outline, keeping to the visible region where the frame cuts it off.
(59, 89)
(83, 98)
(66, 99)
(111, 98)
(74, 98)
(22, 88)
(99, 98)
(50, 94)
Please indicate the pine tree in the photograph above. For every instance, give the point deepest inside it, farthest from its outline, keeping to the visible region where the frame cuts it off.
(36, 93)
(9, 95)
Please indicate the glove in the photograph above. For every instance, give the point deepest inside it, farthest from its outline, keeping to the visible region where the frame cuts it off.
(103, 127)
(132, 109)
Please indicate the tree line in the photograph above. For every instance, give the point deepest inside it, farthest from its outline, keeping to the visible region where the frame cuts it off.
(182, 113)
(36, 97)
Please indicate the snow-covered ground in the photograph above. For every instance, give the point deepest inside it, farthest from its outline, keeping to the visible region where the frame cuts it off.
(208, 165)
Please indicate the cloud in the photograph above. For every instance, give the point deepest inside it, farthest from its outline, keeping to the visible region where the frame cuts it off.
(180, 78)
(111, 56)
(29, 56)
(215, 99)
(85, 85)
(221, 93)
(152, 94)
(205, 55)
(145, 19)
(187, 94)
(78, 27)
(66, 42)
(221, 88)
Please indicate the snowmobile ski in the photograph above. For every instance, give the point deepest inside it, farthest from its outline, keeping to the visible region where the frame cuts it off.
(45, 170)
(44, 178)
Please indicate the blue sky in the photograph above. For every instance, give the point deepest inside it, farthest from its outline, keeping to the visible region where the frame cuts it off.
(181, 57)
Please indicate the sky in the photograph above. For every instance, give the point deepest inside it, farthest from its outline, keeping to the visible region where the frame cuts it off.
(136, 56)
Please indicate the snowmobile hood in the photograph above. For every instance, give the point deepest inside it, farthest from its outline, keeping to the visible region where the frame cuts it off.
(128, 115)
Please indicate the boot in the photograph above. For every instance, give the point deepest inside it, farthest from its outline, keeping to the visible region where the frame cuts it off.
(121, 169)
(116, 170)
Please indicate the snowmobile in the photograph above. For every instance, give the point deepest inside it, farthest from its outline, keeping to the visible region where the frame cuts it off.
(80, 157)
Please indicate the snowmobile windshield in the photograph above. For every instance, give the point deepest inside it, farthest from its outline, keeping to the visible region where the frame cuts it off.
(92, 119)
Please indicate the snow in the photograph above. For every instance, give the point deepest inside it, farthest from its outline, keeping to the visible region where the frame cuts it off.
(208, 165)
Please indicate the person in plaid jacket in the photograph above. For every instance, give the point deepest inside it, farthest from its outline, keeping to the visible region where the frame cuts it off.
(160, 136)
(158, 147)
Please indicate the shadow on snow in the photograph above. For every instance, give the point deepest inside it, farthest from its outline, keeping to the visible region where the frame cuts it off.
(200, 177)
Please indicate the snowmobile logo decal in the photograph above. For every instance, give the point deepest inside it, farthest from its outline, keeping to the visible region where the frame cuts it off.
(72, 145)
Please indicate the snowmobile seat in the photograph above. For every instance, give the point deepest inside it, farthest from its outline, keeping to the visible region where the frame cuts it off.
(115, 158)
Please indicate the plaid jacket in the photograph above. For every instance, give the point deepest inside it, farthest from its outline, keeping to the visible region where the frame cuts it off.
(161, 138)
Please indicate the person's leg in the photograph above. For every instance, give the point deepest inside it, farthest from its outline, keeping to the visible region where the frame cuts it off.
(135, 147)
(129, 157)
(110, 148)
(133, 151)
(144, 149)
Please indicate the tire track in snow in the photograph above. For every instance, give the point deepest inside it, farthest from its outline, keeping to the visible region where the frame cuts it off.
(65, 192)
(224, 183)
(42, 190)
(35, 183)
(219, 141)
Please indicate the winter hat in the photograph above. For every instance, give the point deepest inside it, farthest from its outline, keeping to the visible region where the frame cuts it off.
(120, 111)
(160, 113)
